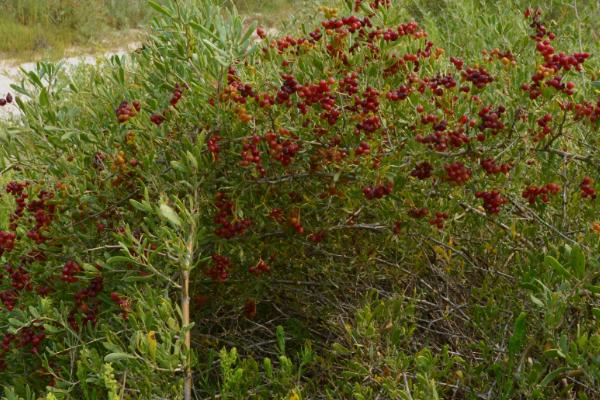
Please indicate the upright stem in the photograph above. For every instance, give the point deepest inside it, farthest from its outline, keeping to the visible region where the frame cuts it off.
(185, 309)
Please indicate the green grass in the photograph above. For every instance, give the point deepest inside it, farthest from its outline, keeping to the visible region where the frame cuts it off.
(268, 12)
(34, 29)
(38, 28)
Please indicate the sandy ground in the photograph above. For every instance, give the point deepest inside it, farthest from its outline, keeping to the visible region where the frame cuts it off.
(10, 73)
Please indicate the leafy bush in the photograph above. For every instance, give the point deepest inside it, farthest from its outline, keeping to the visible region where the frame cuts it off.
(220, 186)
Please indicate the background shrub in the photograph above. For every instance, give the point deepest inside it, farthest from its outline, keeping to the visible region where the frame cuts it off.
(31, 27)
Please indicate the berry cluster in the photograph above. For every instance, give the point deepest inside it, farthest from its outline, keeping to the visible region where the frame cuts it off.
(369, 124)
(9, 299)
(213, 145)
(531, 193)
(479, 77)
(557, 83)
(286, 42)
(159, 118)
(69, 270)
(437, 84)
(276, 214)
(553, 63)
(397, 227)
(282, 150)
(409, 28)
(228, 228)
(418, 213)
(295, 223)
(544, 124)
(259, 268)
(401, 93)
(352, 23)
(506, 57)
(243, 114)
(126, 111)
(363, 148)
(290, 86)
(30, 336)
(41, 210)
(440, 140)
(17, 190)
(378, 191)
(457, 172)
(123, 303)
(261, 32)
(315, 35)
(6, 100)
(492, 201)
(43, 213)
(587, 188)
(585, 109)
(7, 241)
(322, 95)
(349, 84)
(492, 168)
(20, 279)
(73, 321)
(251, 154)
(369, 102)
(491, 119)
(250, 308)
(219, 272)
(439, 219)
(317, 237)
(422, 170)
(176, 95)
(457, 62)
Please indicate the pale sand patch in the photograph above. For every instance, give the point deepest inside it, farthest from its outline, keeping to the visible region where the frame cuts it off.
(11, 73)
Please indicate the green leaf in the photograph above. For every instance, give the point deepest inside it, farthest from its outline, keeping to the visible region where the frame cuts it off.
(280, 334)
(34, 312)
(90, 268)
(578, 262)
(536, 301)
(16, 323)
(192, 160)
(118, 260)
(517, 340)
(43, 98)
(138, 278)
(596, 84)
(596, 312)
(117, 357)
(556, 266)
(33, 78)
(51, 328)
(553, 375)
(144, 207)
(554, 353)
(592, 288)
(169, 214)
(157, 7)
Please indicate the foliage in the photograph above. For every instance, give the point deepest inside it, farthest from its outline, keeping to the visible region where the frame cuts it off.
(400, 214)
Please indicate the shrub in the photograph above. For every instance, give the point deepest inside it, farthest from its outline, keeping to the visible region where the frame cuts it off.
(224, 179)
